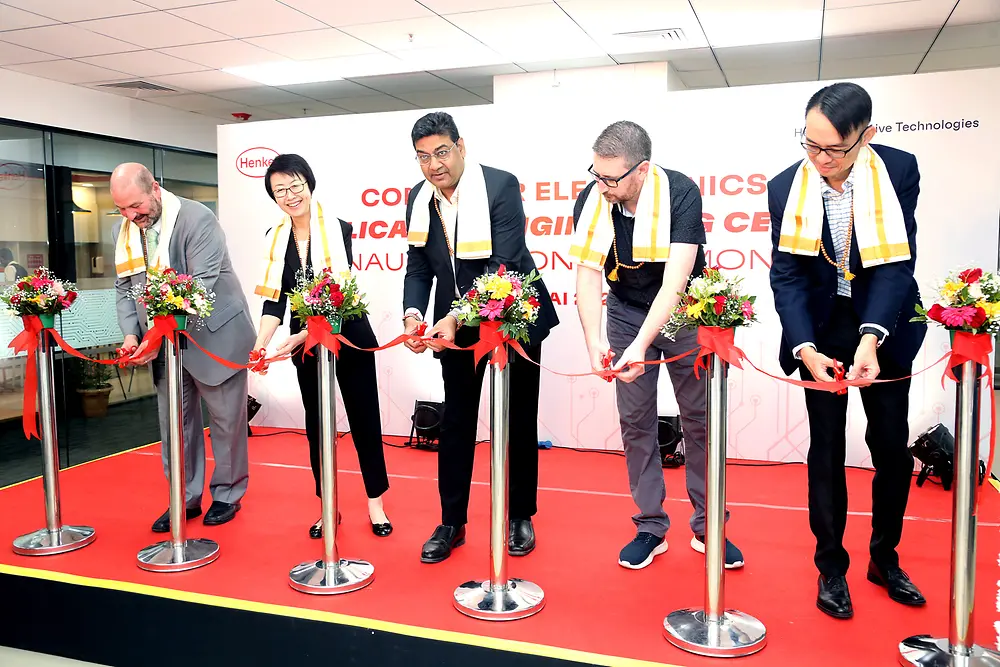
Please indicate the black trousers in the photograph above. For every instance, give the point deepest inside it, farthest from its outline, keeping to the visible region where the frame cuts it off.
(463, 383)
(887, 438)
(356, 377)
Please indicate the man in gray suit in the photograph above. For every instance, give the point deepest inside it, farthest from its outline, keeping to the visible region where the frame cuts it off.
(195, 244)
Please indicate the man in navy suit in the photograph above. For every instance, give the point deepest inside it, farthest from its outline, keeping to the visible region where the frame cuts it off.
(843, 300)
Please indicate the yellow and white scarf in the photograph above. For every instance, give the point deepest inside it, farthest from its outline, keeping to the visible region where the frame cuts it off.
(129, 260)
(474, 231)
(595, 231)
(878, 219)
(326, 249)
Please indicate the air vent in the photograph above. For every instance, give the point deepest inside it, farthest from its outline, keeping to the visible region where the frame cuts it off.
(672, 35)
(137, 85)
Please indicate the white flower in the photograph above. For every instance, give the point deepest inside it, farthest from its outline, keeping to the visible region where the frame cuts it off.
(976, 291)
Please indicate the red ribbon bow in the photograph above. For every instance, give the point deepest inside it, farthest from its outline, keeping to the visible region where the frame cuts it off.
(320, 332)
(720, 341)
(27, 341)
(492, 340)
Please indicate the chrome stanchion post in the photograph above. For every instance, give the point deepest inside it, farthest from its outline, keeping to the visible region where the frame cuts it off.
(55, 538)
(714, 630)
(499, 598)
(178, 553)
(959, 649)
(332, 574)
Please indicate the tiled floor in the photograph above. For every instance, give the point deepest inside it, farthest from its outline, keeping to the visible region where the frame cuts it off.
(10, 657)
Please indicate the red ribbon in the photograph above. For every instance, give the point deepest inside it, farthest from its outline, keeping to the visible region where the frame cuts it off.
(838, 375)
(164, 326)
(320, 332)
(27, 341)
(720, 341)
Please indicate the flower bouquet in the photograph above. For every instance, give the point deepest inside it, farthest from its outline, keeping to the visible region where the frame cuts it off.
(712, 300)
(967, 301)
(167, 293)
(333, 297)
(504, 297)
(40, 294)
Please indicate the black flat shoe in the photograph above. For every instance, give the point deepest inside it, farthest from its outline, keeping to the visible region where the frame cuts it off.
(834, 597)
(381, 529)
(440, 544)
(898, 583)
(316, 530)
(162, 525)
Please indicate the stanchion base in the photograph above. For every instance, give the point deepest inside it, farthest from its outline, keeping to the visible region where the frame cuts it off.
(926, 651)
(164, 557)
(519, 599)
(346, 576)
(45, 543)
(737, 634)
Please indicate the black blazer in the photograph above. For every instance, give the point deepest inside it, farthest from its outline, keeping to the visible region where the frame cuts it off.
(424, 265)
(804, 287)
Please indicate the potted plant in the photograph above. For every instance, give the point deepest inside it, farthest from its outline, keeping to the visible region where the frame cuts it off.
(93, 386)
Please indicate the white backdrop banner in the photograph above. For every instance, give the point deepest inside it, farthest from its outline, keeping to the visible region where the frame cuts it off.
(730, 141)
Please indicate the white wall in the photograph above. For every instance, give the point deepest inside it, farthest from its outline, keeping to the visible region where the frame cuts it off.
(34, 100)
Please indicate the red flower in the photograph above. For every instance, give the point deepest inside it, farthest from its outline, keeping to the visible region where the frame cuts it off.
(471, 295)
(169, 271)
(69, 298)
(720, 304)
(509, 301)
(502, 270)
(970, 276)
(534, 302)
(337, 298)
(935, 313)
(979, 317)
(335, 287)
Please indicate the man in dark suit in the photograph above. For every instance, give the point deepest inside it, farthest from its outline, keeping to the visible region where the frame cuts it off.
(842, 294)
(454, 250)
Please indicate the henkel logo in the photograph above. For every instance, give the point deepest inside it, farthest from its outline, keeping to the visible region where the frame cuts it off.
(253, 162)
(12, 175)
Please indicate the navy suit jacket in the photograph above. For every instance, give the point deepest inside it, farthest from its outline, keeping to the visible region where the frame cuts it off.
(804, 287)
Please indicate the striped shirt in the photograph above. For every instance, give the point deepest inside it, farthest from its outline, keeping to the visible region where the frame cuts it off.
(838, 213)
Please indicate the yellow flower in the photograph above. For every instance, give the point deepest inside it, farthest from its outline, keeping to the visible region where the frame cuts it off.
(992, 309)
(357, 298)
(498, 287)
(694, 310)
(950, 289)
(176, 301)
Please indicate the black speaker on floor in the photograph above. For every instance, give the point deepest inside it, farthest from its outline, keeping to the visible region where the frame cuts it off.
(253, 407)
(935, 449)
(426, 428)
(670, 439)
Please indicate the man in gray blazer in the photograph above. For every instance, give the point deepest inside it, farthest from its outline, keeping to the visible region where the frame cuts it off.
(196, 246)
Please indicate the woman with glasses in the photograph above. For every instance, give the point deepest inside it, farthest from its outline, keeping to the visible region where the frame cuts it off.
(304, 239)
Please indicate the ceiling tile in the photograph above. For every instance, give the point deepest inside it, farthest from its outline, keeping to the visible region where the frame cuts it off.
(15, 19)
(307, 109)
(67, 71)
(12, 54)
(740, 23)
(205, 82)
(529, 34)
(421, 33)
(69, 41)
(847, 4)
(249, 18)
(862, 67)
(485, 92)
(639, 19)
(330, 90)
(339, 14)
(878, 44)
(68, 11)
(975, 11)
(219, 55)
(443, 99)
(774, 74)
(459, 6)
(703, 78)
(968, 36)
(173, 4)
(688, 60)
(766, 55)
(910, 15)
(548, 65)
(374, 103)
(198, 103)
(145, 63)
(405, 83)
(313, 44)
(476, 76)
(156, 30)
(938, 61)
(260, 96)
(469, 55)
(368, 64)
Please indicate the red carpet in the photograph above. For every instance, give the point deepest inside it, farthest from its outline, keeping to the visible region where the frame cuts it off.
(593, 606)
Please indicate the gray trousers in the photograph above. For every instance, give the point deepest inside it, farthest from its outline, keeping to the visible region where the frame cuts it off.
(638, 415)
(227, 409)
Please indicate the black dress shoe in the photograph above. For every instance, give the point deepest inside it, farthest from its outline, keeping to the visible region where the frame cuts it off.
(381, 529)
(316, 530)
(521, 541)
(834, 597)
(898, 583)
(162, 525)
(220, 513)
(439, 546)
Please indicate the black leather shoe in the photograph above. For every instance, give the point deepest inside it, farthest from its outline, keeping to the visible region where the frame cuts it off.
(898, 583)
(220, 513)
(162, 525)
(316, 530)
(381, 529)
(521, 541)
(439, 546)
(834, 597)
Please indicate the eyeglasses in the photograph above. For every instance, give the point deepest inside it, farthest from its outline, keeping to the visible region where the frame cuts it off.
(813, 149)
(441, 155)
(294, 188)
(611, 182)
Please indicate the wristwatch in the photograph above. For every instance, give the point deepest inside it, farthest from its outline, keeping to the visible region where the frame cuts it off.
(879, 336)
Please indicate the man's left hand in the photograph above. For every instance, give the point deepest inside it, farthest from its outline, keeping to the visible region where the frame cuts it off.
(445, 330)
(865, 360)
(630, 364)
(144, 354)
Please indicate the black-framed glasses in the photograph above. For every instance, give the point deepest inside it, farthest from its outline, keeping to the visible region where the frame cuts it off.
(836, 153)
(294, 188)
(441, 155)
(612, 182)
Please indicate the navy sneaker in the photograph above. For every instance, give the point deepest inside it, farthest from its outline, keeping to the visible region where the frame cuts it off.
(734, 557)
(640, 552)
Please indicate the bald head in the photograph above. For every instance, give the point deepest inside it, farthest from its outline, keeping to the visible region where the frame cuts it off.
(136, 193)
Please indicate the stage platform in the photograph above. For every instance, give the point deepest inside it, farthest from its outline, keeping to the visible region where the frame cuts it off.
(96, 605)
